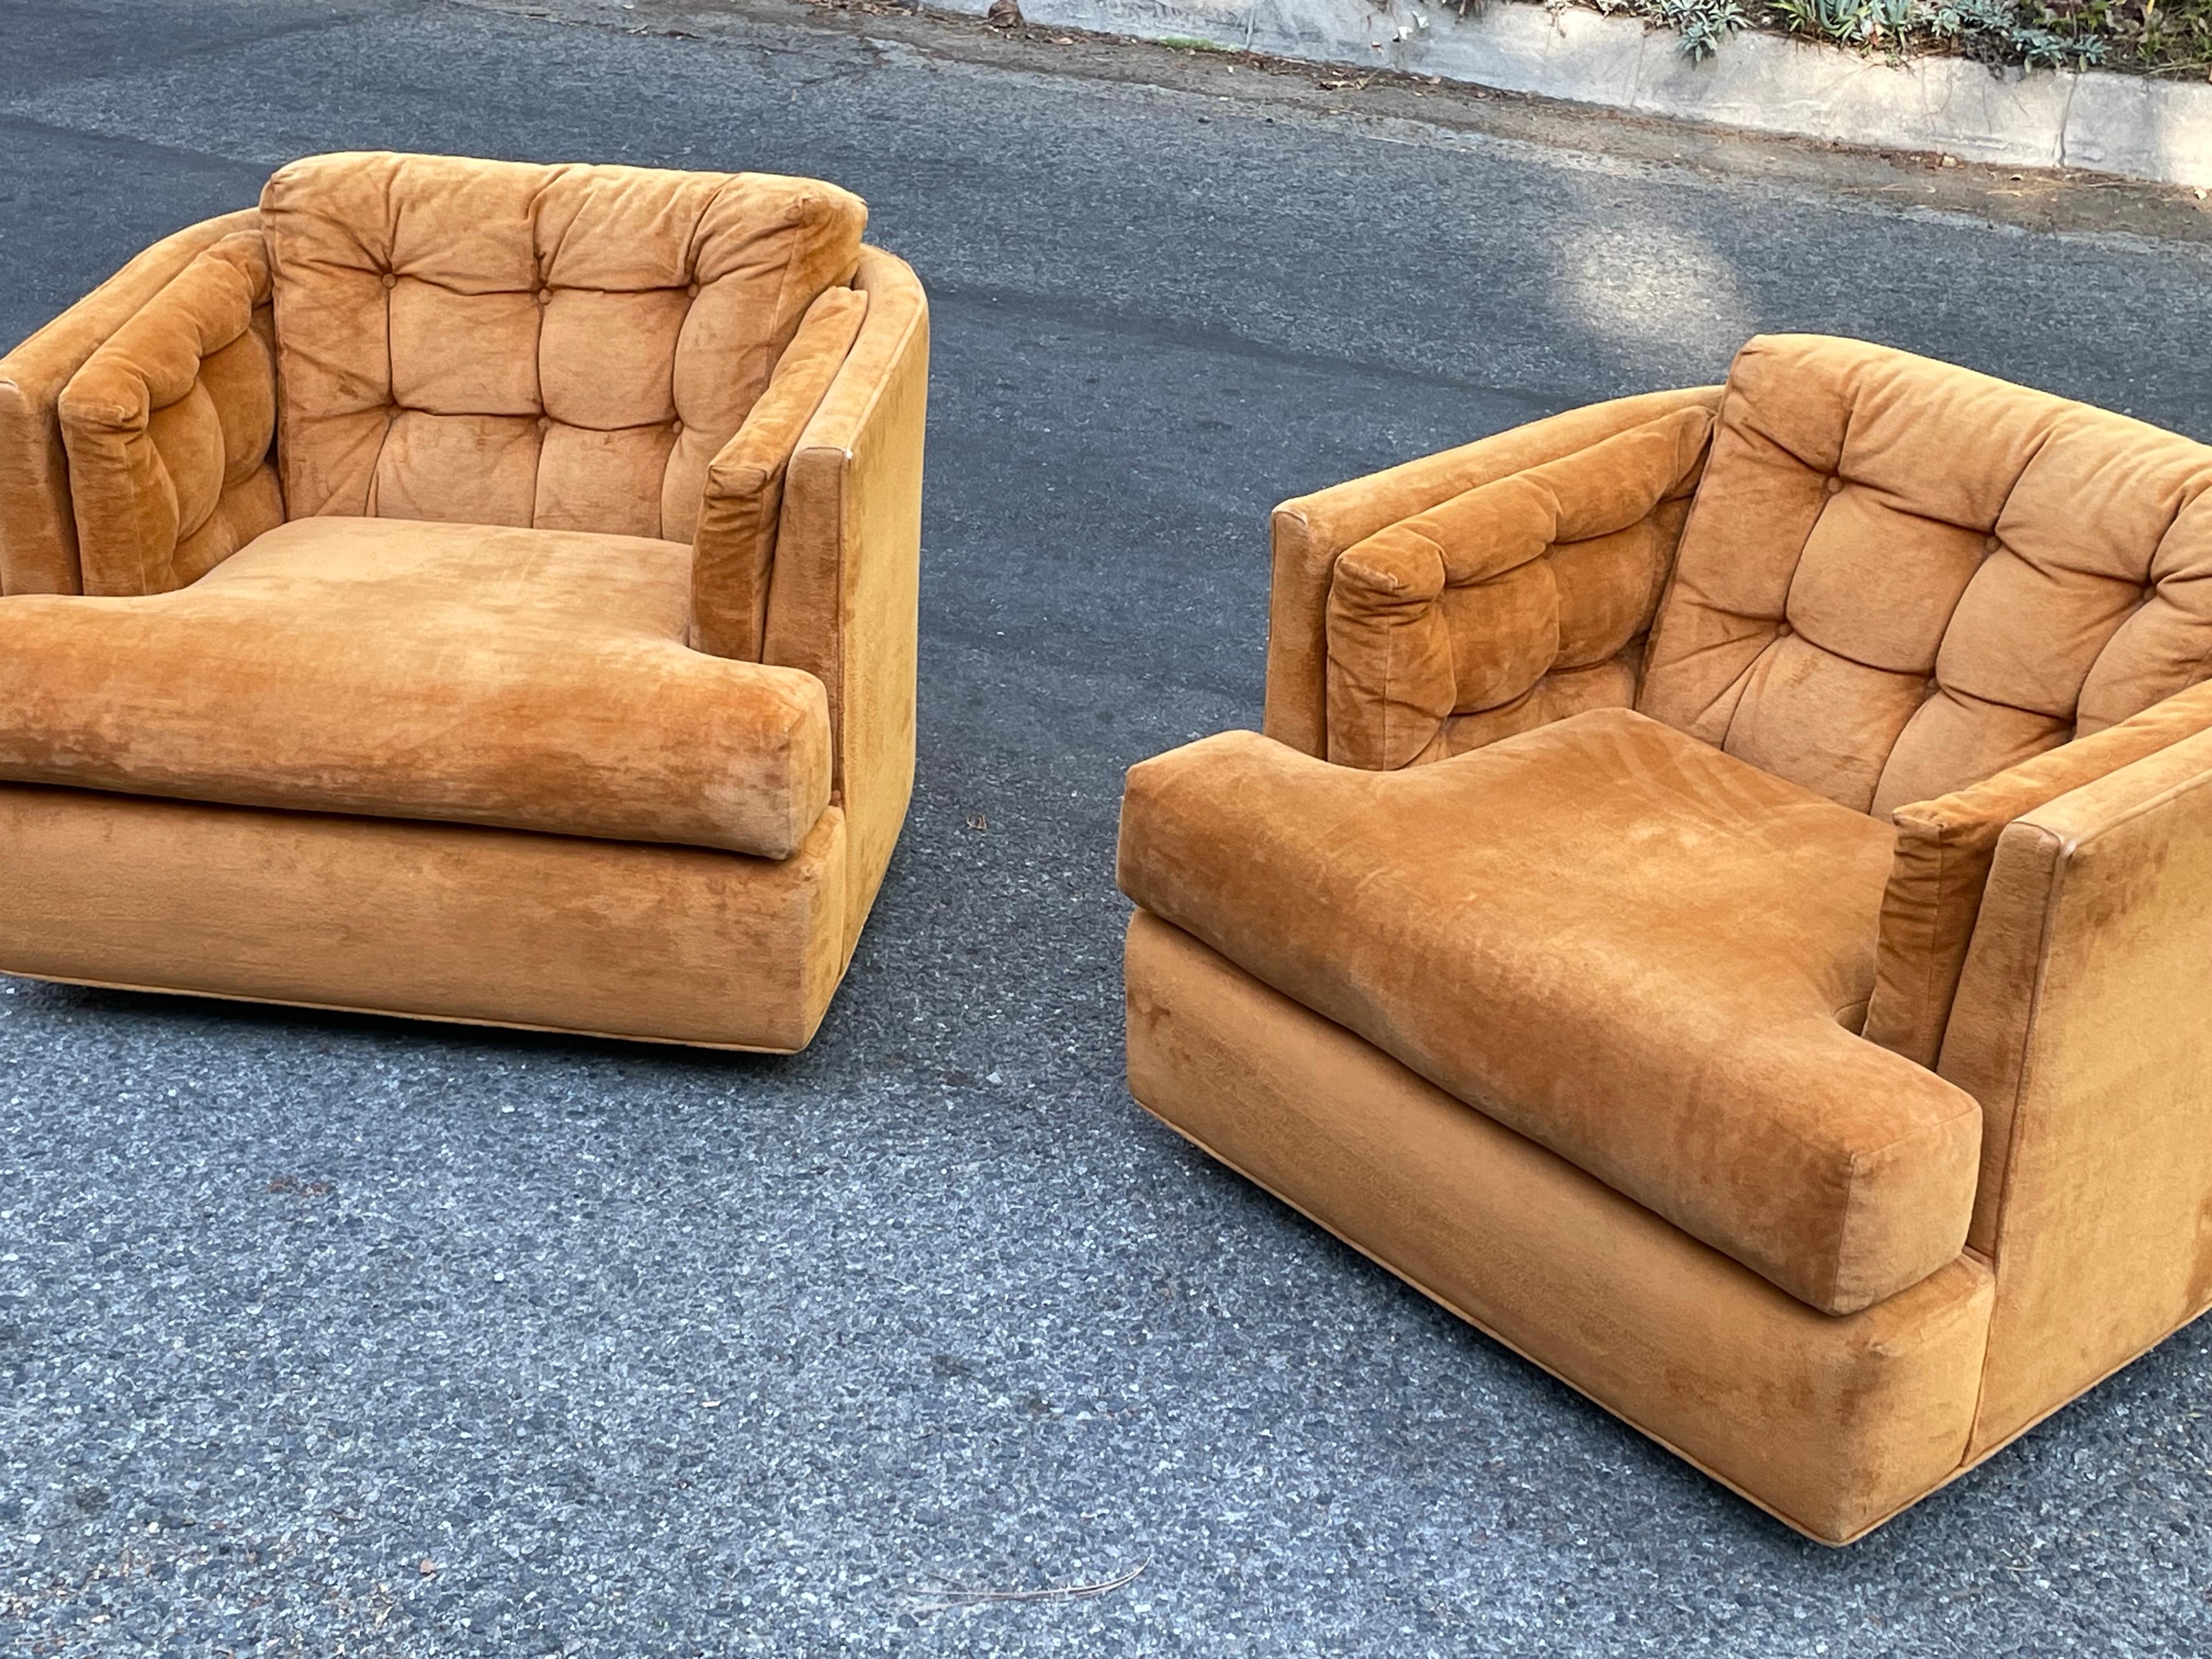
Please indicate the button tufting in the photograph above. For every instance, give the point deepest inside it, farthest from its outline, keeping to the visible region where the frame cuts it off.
(676, 426)
(1835, 486)
(1783, 630)
(389, 280)
(545, 422)
(693, 290)
(1990, 543)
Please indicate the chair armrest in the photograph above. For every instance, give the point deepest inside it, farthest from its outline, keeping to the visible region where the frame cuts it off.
(38, 527)
(1516, 603)
(169, 428)
(844, 600)
(733, 549)
(2083, 1024)
(1309, 532)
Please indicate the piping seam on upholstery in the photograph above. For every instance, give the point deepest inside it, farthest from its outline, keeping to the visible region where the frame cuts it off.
(1944, 874)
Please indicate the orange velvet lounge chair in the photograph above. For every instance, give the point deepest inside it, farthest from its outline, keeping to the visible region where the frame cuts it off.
(472, 591)
(1724, 905)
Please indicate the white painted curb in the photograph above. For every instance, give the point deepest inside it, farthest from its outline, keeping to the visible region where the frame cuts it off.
(2132, 124)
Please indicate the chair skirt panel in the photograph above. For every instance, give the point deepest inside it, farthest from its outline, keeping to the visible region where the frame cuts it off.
(428, 920)
(1831, 1424)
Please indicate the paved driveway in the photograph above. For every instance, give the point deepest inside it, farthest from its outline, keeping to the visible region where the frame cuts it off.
(335, 1336)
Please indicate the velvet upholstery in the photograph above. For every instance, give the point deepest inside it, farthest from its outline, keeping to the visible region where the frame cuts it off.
(1525, 926)
(1311, 532)
(735, 547)
(168, 427)
(592, 522)
(1900, 577)
(844, 604)
(1516, 603)
(432, 921)
(1866, 957)
(1831, 1423)
(535, 679)
(38, 523)
(1944, 850)
(2084, 1026)
(621, 323)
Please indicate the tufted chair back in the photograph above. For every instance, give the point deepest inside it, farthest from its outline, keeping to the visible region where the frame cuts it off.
(562, 347)
(1899, 577)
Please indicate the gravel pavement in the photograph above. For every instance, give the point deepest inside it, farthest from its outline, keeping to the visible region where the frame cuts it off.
(338, 1336)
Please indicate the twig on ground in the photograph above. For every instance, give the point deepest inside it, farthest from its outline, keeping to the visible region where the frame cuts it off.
(954, 1595)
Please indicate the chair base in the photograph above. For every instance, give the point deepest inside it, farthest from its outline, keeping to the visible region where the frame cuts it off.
(1831, 1425)
(441, 921)
(389, 1013)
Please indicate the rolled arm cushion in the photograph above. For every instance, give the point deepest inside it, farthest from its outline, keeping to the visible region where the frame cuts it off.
(38, 530)
(1308, 532)
(1945, 848)
(734, 550)
(1514, 604)
(168, 428)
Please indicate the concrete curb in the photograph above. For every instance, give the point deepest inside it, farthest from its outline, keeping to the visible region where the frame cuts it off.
(2143, 128)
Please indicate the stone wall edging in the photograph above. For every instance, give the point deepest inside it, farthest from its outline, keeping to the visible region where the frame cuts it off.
(2134, 126)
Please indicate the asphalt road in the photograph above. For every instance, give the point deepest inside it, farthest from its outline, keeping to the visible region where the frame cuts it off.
(335, 1336)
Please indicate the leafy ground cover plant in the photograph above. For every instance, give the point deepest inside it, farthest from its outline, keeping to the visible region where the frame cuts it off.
(2159, 37)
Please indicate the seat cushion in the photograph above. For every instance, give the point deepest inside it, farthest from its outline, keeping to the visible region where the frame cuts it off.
(1899, 577)
(565, 346)
(537, 679)
(1630, 947)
